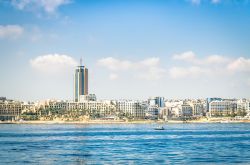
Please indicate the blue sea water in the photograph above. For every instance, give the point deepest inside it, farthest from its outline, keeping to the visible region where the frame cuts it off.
(124, 144)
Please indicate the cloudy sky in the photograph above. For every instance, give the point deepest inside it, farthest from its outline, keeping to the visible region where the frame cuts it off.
(134, 49)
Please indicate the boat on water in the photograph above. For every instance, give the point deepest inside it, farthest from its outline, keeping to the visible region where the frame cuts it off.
(159, 128)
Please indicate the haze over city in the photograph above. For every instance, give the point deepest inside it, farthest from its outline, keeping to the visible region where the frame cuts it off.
(133, 49)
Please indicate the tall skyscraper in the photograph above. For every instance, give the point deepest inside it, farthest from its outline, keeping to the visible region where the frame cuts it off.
(80, 81)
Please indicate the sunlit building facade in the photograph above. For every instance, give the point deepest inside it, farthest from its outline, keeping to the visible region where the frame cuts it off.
(222, 108)
(129, 108)
(10, 110)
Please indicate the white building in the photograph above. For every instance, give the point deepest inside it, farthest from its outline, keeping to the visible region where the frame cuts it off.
(243, 105)
(199, 109)
(174, 108)
(152, 112)
(222, 108)
(133, 109)
(28, 107)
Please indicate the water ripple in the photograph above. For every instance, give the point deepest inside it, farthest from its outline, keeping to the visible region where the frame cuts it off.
(125, 144)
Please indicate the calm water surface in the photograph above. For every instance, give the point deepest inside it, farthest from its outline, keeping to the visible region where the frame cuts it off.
(125, 144)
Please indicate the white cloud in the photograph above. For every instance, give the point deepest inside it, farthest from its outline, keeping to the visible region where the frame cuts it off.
(49, 6)
(11, 31)
(215, 64)
(115, 64)
(53, 63)
(215, 59)
(189, 66)
(190, 57)
(146, 69)
(240, 64)
(183, 72)
(154, 61)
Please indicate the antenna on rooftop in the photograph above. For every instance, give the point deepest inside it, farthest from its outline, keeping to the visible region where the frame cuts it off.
(81, 61)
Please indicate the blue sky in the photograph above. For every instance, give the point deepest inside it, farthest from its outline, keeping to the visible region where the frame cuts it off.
(133, 48)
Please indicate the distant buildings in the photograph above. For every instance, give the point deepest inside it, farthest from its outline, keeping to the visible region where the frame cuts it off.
(95, 109)
(186, 111)
(85, 104)
(157, 101)
(198, 109)
(210, 100)
(80, 82)
(155, 107)
(131, 109)
(89, 97)
(88, 106)
(243, 106)
(222, 108)
(9, 109)
(152, 112)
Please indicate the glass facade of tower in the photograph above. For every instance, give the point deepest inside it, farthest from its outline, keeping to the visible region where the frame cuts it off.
(80, 82)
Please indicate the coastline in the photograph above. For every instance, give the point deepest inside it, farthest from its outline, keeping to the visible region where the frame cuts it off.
(124, 122)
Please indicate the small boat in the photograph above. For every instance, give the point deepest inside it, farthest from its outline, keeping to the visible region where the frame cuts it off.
(160, 128)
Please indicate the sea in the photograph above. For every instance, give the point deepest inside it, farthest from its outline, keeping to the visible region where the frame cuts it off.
(217, 143)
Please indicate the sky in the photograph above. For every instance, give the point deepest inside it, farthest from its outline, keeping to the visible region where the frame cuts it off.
(134, 49)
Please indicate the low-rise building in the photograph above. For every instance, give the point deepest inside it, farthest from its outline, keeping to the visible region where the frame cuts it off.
(133, 109)
(10, 110)
(243, 107)
(56, 104)
(29, 107)
(152, 112)
(89, 97)
(186, 111)
(97, 108)
(198, 109)
(222, 108)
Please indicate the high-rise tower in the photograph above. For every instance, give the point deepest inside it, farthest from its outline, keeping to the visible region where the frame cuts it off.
(80, 81)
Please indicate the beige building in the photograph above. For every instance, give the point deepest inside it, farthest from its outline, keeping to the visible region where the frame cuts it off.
(99, 108)
(10, 110)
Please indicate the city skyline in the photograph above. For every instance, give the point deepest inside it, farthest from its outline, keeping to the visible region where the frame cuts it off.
(133, 49)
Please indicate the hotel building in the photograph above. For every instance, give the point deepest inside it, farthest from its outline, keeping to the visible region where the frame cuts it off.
(222, 108)
(134, 109)
(10, 110)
